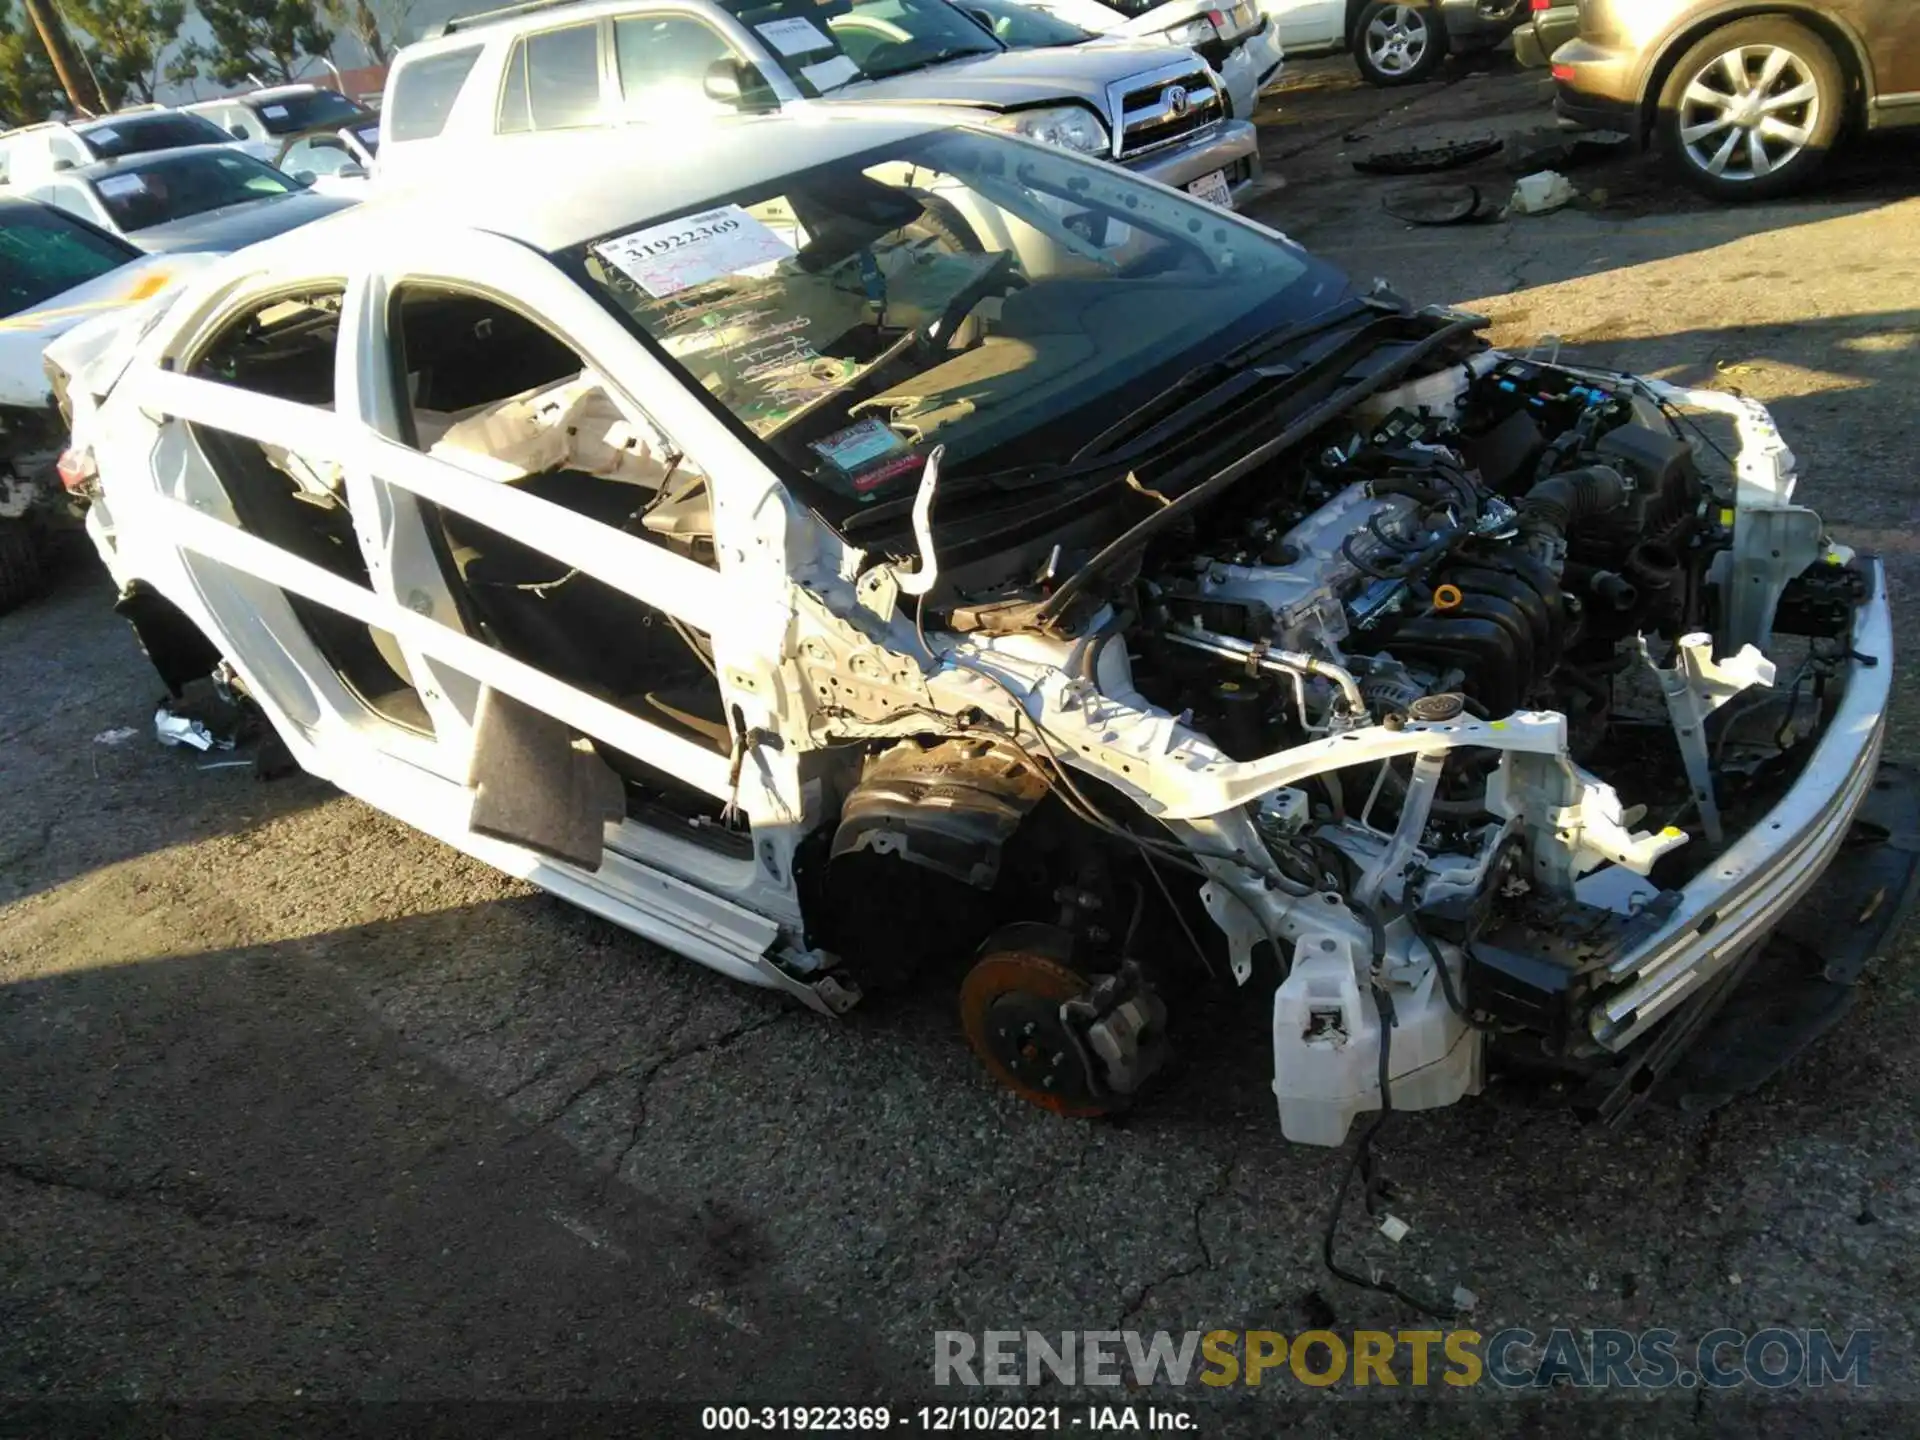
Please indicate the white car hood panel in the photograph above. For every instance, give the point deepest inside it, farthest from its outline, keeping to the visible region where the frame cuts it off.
(24, 337)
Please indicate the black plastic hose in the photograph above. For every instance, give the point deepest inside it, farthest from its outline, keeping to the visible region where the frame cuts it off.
(1560, 503)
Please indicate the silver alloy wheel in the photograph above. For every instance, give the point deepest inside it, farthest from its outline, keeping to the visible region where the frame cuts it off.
(1397, 39)
(1748, 112)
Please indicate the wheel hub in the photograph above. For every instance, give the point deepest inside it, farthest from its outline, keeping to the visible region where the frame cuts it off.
(1397, 39)
(1030, 1040)
(1010, 1010)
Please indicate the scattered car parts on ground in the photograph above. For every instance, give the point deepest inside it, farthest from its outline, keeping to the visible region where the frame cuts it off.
(1541, 193)
(1428, 157)
(1442, 205)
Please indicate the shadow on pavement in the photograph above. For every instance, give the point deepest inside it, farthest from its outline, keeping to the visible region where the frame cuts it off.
(223, 1177)
(79, 794)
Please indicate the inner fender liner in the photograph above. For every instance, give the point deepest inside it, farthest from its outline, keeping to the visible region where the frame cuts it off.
(947, 807)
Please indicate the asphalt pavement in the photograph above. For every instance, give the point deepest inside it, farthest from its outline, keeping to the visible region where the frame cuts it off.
(301, 1105)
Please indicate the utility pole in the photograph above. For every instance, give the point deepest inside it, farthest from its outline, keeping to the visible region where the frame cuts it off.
(75, 78)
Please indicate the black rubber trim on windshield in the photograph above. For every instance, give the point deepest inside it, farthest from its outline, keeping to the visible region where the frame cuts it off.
(1324, 414)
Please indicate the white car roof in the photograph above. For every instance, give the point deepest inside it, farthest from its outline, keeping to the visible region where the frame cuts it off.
(271, 92)
(507, 20)
(274, 92)
(572, 193)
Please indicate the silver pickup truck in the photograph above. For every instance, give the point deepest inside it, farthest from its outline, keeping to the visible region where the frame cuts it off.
(1157, 109)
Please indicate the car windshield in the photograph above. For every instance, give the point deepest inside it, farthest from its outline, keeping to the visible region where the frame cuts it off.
(824, 46)
(851, 317)
(307, 110)
(44, 253)
(111, 138)
(369, 137)
(1020, 27)
(152, 192)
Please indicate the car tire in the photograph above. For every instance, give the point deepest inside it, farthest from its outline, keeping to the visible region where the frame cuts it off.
(1398, 44)
(23, 563)
(1752, 110)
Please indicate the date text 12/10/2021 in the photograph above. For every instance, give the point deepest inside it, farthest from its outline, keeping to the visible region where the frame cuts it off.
(950, 1419)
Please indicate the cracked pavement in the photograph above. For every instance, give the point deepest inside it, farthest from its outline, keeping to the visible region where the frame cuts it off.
(301, 1103)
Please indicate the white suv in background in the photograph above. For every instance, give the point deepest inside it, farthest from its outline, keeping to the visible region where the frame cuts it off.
(495, 79)
(1393, 43)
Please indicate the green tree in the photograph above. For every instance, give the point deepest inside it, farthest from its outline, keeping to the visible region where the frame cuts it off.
(28, 89)
(265, 40)
(129, 39)
(378, 26)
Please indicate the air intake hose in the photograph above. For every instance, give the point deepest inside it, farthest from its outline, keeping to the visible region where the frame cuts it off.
(1561, 503)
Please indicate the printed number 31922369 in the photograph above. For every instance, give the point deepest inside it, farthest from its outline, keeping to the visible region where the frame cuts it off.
(670, 257)
(692, 235)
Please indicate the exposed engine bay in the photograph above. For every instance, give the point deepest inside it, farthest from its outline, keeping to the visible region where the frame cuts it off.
(1503, 562)
(1465, 718)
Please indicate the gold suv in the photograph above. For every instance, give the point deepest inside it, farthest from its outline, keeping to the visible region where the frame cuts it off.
(1746, 105)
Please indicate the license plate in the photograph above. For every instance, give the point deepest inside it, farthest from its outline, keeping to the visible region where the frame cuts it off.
(1212, 188)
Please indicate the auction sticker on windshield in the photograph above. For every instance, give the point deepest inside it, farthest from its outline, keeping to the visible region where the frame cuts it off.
(114, 186)
(859, 445)
(665, 259)
(825, 74)
(794, 37)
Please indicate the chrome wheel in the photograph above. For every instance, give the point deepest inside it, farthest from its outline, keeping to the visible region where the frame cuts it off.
(1748, 112)
(1397, 40)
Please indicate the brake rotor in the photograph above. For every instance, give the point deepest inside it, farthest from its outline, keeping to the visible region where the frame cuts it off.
(1010, 1010)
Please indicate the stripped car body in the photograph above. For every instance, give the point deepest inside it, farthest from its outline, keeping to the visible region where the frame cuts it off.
(1128, 603)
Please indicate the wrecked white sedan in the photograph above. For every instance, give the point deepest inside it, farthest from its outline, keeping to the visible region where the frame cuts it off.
(868, 546)
(56, 273)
